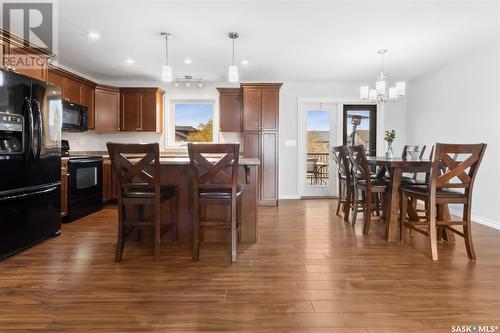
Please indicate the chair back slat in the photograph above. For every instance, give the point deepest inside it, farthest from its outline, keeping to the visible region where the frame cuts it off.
(341, 158)
(132, 173)
(450, 170)
(221, 174)
(413, 151)
(359, 162)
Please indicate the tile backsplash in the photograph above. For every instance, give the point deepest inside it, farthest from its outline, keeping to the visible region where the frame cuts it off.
(96, 141)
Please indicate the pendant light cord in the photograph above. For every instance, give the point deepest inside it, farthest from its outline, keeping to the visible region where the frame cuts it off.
(166, 48)
(233, 51)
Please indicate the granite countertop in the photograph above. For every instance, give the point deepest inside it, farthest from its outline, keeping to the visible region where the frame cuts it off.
(185, 160)
(165, 158)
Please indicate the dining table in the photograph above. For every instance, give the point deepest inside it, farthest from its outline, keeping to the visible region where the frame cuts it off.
(395, 166)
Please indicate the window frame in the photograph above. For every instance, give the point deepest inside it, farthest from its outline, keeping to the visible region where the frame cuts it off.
(171, 101)
(372, 108)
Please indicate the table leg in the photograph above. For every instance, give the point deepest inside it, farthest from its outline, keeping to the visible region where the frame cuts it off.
(392, 202)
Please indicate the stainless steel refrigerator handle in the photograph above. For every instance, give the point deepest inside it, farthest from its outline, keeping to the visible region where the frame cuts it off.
(24, 195)
(40, 128)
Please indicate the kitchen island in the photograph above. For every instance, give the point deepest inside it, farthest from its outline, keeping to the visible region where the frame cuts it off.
(176, 171)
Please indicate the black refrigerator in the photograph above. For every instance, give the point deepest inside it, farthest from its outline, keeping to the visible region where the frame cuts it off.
(30, 162)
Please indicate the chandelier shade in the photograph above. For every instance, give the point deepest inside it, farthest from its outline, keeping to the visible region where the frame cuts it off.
(382, 92)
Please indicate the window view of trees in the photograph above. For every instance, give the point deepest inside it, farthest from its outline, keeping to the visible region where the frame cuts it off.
(194, 122)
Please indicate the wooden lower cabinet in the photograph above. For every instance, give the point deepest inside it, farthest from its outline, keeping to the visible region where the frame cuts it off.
(108, 183)
(64, 187)
(264, 145)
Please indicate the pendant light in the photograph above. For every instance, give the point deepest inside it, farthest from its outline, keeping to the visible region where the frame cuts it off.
(166, 69)
(233, 69)
(381, 93)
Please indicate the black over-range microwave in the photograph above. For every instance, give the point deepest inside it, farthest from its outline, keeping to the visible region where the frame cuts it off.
(74, 117)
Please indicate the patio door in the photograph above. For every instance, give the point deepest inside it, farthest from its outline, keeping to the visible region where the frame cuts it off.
(316, 137)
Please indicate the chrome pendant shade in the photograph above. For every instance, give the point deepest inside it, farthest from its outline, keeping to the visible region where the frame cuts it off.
(166, 69)
(233, 75)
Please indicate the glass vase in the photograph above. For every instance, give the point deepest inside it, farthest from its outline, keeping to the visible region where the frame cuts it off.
(389, 153)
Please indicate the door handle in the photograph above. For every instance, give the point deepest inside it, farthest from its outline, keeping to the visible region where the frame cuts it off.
(40, 128)
(31, 126)
(26, 195)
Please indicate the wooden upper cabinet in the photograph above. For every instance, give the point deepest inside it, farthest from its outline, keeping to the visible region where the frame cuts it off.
(230, 109)
(26, 62)
(141, 109)
(129, 114)
(107, 109)
(260, 106)
(72, 91)
(151, 110)
(88, 101)
(251, 109)
(270, 109)
(55, 79)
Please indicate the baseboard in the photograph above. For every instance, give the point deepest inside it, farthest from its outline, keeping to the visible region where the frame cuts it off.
(477, 219)
(289, 197)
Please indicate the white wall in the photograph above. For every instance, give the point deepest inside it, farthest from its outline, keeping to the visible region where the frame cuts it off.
(459, 104)
(390, 116)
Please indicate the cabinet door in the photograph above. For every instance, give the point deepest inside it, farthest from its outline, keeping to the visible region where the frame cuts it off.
(64, 188)
(27, 63)
(72, 91)
(88, 101)
(106, 110)
(55, 79)
(106, 182)
(230, 111)
(129, 117)
(251, 144)
(270, 109)
(148, 114)
(269, 168)
(251, 109)
(4, 53)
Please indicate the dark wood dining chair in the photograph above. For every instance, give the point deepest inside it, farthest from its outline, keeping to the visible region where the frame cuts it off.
(451, 182)
(215, 183)
(412, 152)
(341, 157)
(370, 189)
(139, 184)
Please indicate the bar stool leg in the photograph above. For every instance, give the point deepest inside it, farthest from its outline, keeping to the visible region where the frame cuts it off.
(196, 229)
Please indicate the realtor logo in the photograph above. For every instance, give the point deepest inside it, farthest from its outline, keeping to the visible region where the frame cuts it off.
(31, 21)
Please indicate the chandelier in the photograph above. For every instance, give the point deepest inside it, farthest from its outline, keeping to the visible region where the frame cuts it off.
(188, 81)
(381, 93)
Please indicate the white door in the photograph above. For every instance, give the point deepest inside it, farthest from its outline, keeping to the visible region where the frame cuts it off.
(317, 135)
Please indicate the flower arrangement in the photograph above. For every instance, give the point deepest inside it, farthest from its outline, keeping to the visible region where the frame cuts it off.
(390, 136)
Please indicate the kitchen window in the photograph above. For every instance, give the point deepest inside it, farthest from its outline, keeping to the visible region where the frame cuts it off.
(192, 120)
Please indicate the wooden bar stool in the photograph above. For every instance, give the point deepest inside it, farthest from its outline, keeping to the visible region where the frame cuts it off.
(341, 158)
(138, 185)
(365, 185)
(447, 173)
(215, 182)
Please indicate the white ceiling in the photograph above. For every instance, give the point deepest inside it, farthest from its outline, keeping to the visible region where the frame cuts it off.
(282, 40)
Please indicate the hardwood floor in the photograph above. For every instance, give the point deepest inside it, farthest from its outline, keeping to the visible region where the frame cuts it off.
(308, 272)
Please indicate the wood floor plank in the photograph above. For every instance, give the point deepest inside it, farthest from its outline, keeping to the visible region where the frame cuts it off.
(308, 272)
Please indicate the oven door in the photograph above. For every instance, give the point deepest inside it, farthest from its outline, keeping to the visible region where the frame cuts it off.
(85, 179)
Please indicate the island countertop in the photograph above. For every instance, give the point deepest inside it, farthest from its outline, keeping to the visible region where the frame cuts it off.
(165, 157)
(185, 160)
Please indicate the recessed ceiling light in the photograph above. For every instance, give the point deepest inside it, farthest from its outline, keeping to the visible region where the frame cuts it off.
(130, 61)
(188, 84)
(188, 61)
(244, 62)
(176, 84)
(94, 35)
